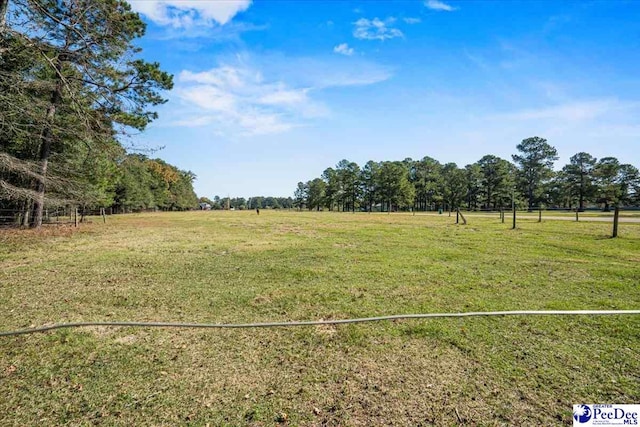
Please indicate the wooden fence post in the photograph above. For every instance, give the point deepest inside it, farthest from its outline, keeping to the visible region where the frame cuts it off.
(577, 219)
(75, 217)
(539, 213)
(104, 216)
(616, 213)
(514, 218)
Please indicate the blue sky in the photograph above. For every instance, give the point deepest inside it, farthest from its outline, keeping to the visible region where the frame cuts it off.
(269, 93)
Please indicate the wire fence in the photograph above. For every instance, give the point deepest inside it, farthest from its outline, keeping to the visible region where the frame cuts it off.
(59, 216)
(20, 217)
(69, 215)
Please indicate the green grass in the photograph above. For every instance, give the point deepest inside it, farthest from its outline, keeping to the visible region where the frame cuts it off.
(240, 267)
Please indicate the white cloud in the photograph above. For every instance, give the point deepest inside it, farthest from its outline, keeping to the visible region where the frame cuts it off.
(237, 98)
(359, 75)
(194, 121)
(343, 49)
(569, 112)
(260, 123)
(285, 96)
(225, 75)
(213, 98)
(243, 97)
(411, 21)
(439, 5)
(323, 73)
(596, 122)
(189, 13)
(375, 29)
(231, 31)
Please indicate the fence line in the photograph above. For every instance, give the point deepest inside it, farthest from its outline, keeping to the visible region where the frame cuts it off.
(63, 215)
(68, 215)
(59, 216)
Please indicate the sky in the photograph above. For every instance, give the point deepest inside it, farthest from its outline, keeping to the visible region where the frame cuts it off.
(270, 93)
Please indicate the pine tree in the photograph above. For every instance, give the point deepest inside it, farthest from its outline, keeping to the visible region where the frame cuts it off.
(94, 82)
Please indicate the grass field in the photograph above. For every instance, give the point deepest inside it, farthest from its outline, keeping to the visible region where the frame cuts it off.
(240, 267)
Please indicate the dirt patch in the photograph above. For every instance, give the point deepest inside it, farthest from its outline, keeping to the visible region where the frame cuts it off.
(327, 331)
(261, 300)
(256, 245)
(128, 339)
(100, 331)
(298, 231)
(345, 245)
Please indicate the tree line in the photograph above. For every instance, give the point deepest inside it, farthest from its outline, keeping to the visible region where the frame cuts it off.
(240, 203)
(72, 85)
(491, 183)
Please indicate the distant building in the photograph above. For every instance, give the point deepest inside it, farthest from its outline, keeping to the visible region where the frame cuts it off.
(205, 206)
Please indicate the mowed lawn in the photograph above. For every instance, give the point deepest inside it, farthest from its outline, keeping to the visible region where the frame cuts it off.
(240, 267)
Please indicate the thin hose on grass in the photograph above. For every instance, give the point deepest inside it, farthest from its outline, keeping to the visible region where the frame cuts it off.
(318, 322)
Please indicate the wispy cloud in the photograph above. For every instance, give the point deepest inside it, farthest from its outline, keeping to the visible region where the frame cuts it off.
(189, 13)
(412, 21)
(376, 29)
(577, 111)
(477, 59)
(556, 22)
(323, 72)
(230, 32)
(244, 98)
(343, 49)
(237, 97)
(439, 5)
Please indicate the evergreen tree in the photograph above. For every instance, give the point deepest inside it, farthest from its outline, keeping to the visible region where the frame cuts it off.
(535, 168)
(86, 61)
(579, 178)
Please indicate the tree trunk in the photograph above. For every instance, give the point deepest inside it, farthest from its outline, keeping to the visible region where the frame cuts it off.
(45, 147)
(582, 178)
(3, 12)
(25, 213)
(581, 201)
(530, 198)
